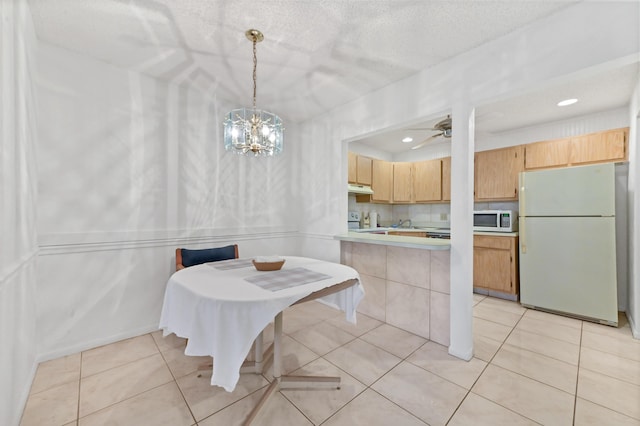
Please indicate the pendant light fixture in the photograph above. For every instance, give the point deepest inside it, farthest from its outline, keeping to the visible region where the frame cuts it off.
(251, 130)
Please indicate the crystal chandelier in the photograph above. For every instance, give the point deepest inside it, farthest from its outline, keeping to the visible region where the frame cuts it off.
(252, 130)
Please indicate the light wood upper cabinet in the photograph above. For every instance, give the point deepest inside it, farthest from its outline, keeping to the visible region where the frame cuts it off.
(406, 182)
(496, 173)
(402, 182)
(495, 263)
(427, 181)
(364, 170)
(591, 148)
(359, 169)
(353, 167)
(381, 181)
(446, 179)
(541, 155)
(598, 147)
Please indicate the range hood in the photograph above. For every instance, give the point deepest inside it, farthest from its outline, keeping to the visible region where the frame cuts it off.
(360, 189)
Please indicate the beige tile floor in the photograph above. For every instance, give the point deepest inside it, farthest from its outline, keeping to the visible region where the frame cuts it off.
(529, 368)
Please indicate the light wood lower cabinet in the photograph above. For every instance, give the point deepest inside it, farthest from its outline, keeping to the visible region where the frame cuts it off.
(495, 263)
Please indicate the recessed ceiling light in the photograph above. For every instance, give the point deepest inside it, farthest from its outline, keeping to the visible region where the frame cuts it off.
(567, 102)
(407, 139)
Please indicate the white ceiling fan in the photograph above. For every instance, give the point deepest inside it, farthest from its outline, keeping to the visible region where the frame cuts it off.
(444, 129)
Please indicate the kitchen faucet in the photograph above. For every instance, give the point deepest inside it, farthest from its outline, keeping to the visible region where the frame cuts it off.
(402, 222)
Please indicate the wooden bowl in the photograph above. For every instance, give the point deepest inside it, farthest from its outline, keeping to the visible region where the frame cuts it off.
(268, 266)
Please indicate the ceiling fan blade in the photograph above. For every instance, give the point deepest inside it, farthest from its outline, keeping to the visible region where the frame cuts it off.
(424, 128)
(426, 141)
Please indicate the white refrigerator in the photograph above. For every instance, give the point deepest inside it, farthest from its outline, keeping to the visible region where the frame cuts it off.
(567, 242)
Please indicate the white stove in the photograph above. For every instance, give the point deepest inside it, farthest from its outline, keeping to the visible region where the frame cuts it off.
(353, 220)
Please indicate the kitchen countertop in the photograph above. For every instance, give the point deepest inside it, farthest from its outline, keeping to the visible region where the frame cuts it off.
(497, 234)
(379, 236)
(383, 230)
(396, 240)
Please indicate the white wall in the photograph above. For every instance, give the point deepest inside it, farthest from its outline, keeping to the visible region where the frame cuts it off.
(131, 167)
(633, 310)
(18, 198)
(529, 58)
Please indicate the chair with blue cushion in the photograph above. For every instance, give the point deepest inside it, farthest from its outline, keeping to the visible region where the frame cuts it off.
(188, 257)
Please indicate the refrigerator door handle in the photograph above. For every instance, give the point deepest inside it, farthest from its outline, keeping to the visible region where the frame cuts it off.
(523, 232)
(523, 218)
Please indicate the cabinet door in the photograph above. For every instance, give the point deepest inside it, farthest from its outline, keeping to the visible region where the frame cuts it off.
(364, 170)
(597, 147)
(427, 181)
(353, 166)
(491, 269)
(446, 179)
(381, 181)
(496, 173)
(402, 182)
(494, 264)
(546, 154)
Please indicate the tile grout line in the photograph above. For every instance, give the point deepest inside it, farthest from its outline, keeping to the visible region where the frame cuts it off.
(485, 368)
(175, 380)
(575, 398)
(79, 388)
(131, 396)
(369, 387)
(606, 375)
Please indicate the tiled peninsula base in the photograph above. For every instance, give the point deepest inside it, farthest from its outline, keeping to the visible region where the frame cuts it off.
(404, 287)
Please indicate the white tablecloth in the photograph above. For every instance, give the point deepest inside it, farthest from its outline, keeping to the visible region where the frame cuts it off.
(221, 313)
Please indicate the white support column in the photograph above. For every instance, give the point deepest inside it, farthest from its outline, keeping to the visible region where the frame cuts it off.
(462, 172)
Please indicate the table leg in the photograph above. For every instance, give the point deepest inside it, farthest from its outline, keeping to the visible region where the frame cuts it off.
(277, 347)
(262, 357)
(287, 382)
(262, 360)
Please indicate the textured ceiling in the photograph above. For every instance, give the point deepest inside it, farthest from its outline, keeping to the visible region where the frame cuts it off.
(317, 54)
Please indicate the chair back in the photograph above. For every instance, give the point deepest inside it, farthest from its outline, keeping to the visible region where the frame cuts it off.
(189, 257)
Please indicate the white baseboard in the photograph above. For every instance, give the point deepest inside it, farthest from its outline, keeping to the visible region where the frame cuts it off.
(24, 396)
(69, 350)
(635, 330)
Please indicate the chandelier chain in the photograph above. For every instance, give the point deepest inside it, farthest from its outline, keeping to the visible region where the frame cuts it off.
(255, 66)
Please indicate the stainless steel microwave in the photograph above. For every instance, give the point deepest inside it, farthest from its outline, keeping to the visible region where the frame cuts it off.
(495, 220)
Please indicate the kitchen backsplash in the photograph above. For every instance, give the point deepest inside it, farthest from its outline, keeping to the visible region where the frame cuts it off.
(438, 215)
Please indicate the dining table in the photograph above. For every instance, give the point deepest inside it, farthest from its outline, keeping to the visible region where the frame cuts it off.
(221, 308)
